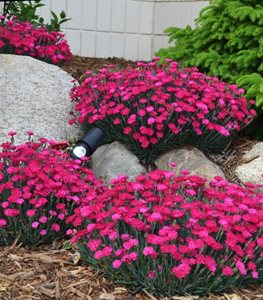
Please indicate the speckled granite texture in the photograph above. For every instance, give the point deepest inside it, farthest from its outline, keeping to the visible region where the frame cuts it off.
(34, 96)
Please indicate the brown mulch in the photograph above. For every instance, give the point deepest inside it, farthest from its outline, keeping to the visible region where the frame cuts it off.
(48, 273)
(79, 65)
(231, 157)
(53, 272)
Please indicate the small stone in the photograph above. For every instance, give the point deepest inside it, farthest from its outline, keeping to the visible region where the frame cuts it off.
(191, 159)
(112, 160)
(252, 167)
(256, 150)
(107, 297)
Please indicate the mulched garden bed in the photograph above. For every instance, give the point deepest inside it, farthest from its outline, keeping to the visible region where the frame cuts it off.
(46, 273)
(56, 273)
(78, 65)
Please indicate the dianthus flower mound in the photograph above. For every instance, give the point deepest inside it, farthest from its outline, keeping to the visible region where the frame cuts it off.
(173, 235)
(152, 108)
(24, 38)
(39, 188)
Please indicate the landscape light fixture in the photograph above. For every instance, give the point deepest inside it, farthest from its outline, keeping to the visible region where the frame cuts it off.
(88, 143)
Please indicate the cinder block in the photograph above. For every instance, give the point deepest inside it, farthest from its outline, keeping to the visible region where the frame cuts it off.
(167, 15)
(44, 11)
(89, 15)
(146, 17)
(129, 28)
(88, 44)
(102, 44)
(104, 15)
(58, 6)
(132, 16)
(117, 45)
(159, 41)
(74, 39)
(187, 14)
(145, 47)
(131, 46)
(75, 13)
(118, 16)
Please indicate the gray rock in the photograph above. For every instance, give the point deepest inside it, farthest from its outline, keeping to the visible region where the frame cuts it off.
(191, 159)
(252, 166)
(34, 96)
(111, 160)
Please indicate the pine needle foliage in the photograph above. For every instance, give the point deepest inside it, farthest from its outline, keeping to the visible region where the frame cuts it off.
(227, 42)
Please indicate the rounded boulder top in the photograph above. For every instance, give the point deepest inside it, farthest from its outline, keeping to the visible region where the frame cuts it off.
(34, 96)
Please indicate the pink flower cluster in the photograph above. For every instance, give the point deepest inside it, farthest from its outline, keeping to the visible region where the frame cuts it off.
(39, 187)
(170, 229)
(157, 106)
(23, 38)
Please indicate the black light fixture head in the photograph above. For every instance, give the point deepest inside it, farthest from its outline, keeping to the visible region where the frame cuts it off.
(88, 143)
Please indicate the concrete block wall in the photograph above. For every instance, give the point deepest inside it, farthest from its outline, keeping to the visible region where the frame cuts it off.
(173, 13)
(132, 29)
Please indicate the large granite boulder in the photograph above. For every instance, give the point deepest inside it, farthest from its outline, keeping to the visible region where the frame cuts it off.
(252, 167)
(34, 96)
(191, 159)
(112, 160)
